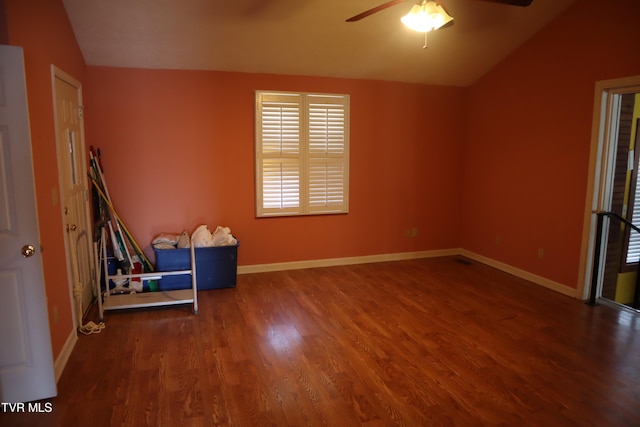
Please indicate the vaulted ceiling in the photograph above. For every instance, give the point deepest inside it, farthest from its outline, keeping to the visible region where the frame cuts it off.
(304, 37)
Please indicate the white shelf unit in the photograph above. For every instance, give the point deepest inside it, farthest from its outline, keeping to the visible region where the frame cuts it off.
(108, 301)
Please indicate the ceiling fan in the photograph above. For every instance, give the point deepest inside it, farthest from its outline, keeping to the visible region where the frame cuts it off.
(521, 3)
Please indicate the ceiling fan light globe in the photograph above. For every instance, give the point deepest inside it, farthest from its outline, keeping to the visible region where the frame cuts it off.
(426, 16)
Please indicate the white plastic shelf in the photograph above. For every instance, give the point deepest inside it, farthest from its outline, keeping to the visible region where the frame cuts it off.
(108, 301)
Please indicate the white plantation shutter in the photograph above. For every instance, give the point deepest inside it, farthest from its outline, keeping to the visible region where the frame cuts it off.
(633, 252)
(632, 255)
(327, 153)
(280, 184)
(302, 153)
(633, 249)
(326, 126)
(278, 153)
(326, 185)
(280, 126)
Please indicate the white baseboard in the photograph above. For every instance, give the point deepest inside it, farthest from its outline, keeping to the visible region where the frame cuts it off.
(63, 357)
(296, 265)
(332, 262)
(538, 280)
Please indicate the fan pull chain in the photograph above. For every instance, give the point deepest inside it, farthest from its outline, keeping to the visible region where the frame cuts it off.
(425, 40)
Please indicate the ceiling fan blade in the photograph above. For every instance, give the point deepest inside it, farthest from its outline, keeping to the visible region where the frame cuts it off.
(521, 3)
(374, 10)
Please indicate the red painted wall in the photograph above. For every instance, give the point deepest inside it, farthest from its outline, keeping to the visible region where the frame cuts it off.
(528, 134)
(177, 149)
(41, 27)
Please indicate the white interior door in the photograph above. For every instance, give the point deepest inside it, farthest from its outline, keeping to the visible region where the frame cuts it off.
(26, 361)
(73, 187)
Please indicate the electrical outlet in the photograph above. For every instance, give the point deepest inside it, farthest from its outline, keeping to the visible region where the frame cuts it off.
(414, 232)
(540, 253)
(407, 233)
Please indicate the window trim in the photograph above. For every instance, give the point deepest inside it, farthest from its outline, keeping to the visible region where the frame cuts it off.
(296, 150)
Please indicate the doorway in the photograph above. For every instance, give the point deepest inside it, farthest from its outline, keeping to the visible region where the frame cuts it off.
(74, 191)
(613, 169)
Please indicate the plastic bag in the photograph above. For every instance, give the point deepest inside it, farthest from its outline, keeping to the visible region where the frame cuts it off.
(184, 241)
(203, 238)
(223, 237)
(170, 238)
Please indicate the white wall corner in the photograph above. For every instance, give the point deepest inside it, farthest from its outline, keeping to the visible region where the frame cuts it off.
(533, 278)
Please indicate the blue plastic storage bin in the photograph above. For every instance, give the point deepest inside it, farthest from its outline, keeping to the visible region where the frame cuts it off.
(216, 267)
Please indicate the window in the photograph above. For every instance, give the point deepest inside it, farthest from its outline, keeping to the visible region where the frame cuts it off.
(632, 238)
(302, 154)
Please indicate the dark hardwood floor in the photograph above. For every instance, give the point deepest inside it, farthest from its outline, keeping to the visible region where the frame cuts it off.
(430, 342)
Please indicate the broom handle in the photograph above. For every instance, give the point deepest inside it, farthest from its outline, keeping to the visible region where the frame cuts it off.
(106, 191)
(139, 251)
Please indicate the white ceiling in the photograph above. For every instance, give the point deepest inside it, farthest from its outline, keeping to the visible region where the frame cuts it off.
(304, 37)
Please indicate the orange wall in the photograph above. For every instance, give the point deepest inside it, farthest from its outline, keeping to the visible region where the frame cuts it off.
(177, 149)
(528, 134)
(41, 27)
(504, 159)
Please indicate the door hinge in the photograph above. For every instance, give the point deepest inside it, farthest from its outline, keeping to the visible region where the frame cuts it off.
(81, 111)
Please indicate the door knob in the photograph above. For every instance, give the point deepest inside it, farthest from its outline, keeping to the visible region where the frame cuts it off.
(71, 227)
(28, 250)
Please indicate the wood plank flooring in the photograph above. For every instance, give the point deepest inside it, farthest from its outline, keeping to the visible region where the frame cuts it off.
(430, 342)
